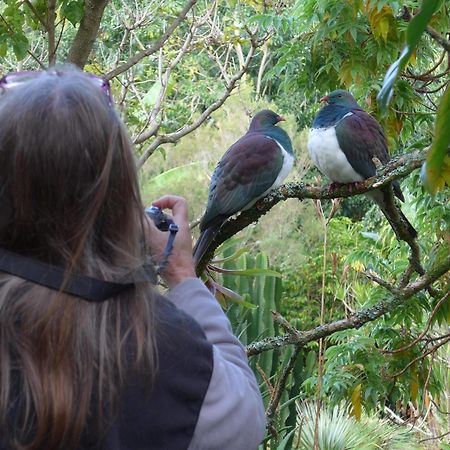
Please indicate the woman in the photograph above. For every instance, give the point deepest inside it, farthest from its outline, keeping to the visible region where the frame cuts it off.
(91, 356)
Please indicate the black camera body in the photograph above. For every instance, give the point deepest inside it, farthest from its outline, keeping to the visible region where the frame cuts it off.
(161, 221)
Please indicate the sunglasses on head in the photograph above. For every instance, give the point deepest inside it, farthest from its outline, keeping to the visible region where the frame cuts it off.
(14, 79)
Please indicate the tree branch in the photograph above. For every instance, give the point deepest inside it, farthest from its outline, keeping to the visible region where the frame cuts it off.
(262, 68)
(164, 82)
(444, 43)
(425, 331)
(156, 46)
(51, 17)
(395, 169)
(358, 319)
(60, 36)
(175, 136)
(391, 211)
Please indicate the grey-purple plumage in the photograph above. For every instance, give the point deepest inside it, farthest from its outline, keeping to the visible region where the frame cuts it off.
(257, 163)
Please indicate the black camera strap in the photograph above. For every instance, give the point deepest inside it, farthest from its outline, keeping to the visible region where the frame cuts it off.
(53, 277)
(173, 230)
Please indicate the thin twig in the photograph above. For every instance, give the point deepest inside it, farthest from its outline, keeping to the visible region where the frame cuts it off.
(425, 331)
(400, 421)
(432, 350)
(60, 33)
(373, 277)
(436, 437)
(322, 321)
(423, 76)
(164, 83)
(156, 46)
(266, 380)
(440, 410)
(438, 338)
(425, 387)
(280, 386)
(278, 318)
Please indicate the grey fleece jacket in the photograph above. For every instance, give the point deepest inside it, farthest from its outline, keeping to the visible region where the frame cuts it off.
(232, 415)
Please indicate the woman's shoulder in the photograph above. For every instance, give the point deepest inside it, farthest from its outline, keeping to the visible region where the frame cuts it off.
(180, 339)
(171, 318)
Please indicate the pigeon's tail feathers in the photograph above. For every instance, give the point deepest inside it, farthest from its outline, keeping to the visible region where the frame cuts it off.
(203, 242)
(397, 191)
(402, 230)
(405, 230)
(410, 229)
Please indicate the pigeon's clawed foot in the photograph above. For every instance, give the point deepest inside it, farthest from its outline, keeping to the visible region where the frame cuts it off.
(333, 186)
(351, 186)
(355, 185)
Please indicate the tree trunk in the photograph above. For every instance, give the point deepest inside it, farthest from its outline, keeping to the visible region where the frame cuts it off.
(87, 33)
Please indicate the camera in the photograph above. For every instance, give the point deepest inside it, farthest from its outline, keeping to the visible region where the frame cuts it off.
(161, 221)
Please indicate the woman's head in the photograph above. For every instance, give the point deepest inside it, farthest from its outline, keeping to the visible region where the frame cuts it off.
(67, 171)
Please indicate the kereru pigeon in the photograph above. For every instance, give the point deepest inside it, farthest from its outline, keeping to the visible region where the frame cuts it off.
(342, 143)
(254, 165)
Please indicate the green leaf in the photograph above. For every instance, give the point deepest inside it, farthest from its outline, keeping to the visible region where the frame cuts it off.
(284, 443)
(152, 95)
(232, 257)
(249, 272)
(20, 45)
(370, 235)
(227, 292)
(310, 363)
(356, 402)
(3, 48)
(291, 400)
(415, 29)
(228, 244)
(436, 170)
(190, 171)
(73, 11)
(233, 296)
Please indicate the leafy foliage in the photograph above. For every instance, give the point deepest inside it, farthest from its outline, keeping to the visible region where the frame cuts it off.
(415, 29)
(338, 431)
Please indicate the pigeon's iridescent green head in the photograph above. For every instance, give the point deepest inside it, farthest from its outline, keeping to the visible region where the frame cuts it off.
(339, 97)
(265, 119)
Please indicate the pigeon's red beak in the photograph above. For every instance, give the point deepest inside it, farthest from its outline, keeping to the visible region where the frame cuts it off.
(281, 119)
(324, 99)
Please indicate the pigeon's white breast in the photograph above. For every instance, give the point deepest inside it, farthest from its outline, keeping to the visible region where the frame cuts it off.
(288, 162)
(326, 154)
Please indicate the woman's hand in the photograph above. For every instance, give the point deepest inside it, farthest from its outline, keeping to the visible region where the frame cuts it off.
(180, 264)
